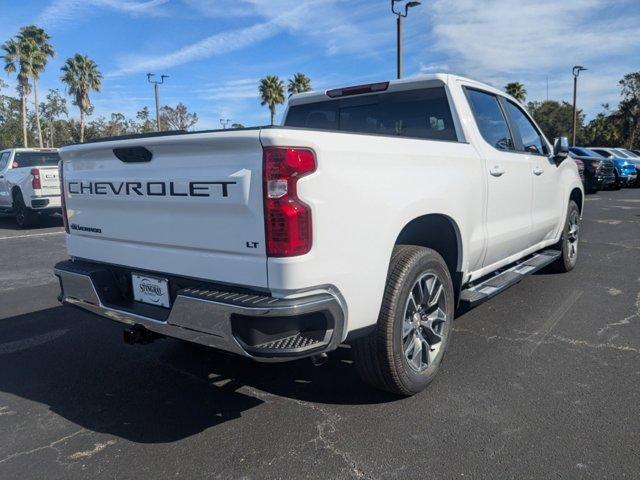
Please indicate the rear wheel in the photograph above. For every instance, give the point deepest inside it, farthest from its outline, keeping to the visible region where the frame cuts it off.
(569, 241)
(25, 217)
(405, 351)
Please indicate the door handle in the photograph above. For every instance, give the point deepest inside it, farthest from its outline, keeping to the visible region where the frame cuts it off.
(497, 171)
(538, 171)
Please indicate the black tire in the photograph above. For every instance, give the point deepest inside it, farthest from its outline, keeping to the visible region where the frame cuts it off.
(25, 217)
(569, 241)
(380, 356)
(617, 185)
(589, 188)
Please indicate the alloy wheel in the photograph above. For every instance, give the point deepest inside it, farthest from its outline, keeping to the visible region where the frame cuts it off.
(573, 234)
(423, 322)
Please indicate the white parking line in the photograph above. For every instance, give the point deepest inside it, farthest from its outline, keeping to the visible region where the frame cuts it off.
(32, 235)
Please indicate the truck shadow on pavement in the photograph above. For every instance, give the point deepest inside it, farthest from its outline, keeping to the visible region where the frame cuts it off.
(79, 367)
(44, 221)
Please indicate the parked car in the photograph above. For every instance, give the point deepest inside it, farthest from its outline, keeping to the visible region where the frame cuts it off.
(625, 170)
(635, 158)
(599, 171)
(29, 183)
(368, 217)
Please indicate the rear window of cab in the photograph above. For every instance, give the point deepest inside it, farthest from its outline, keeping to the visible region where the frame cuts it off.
(423, 113)
(35, 159)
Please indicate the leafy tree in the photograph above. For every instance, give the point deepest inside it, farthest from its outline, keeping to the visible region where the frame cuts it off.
(516, 90)
(178, 118)
(556, 119)
(271, 94)
(629, 108)
(300, 83)
(603, 132)
(52, 109)
(11, 133)
(82, 76)
(237, 125)
(40, 51)
(146, 125)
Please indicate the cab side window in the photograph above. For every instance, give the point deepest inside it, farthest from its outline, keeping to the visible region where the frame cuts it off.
(4, 159)
(490, 119)
(531, 138)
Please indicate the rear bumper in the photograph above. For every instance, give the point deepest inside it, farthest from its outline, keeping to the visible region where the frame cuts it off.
(46, 202)
(250, 324)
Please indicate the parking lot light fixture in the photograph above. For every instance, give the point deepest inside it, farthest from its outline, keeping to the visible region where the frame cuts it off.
(576, 72)
(400, 14)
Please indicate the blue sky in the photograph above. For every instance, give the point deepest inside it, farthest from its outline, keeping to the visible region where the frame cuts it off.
(215, 51)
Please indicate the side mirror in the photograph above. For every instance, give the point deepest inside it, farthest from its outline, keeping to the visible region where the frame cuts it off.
(560, 149)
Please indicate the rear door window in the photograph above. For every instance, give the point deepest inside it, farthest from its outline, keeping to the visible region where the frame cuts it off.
(421, 113)
(531, 138)
(490, 119)
(35, 159)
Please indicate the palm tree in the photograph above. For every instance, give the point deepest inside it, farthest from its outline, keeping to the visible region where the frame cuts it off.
(81, 75)
(17, 56)
(299, 83)
(41, 50)
(271, 93)
(516, 90)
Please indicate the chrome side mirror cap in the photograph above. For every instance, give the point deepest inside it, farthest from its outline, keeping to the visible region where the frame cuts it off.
(560, 149)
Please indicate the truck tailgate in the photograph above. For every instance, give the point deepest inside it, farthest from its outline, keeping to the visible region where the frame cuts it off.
(50, 185)
(194, 209)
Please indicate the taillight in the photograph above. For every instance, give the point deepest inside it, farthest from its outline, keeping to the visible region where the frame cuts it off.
(35, 179)
(287, 218)
(63, 203)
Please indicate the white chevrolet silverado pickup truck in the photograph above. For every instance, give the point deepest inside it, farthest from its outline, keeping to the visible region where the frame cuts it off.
(370, 217)
(29, 183)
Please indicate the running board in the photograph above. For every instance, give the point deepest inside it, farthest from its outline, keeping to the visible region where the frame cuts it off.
(477, 293)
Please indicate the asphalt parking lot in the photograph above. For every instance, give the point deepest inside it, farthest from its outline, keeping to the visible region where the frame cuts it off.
(542, 381)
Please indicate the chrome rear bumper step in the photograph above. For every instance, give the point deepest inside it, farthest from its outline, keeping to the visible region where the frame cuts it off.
(486, 288)
(252, 324)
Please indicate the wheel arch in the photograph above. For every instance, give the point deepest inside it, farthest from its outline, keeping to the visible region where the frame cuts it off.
(577, 196)
(441, 233)
(16, 190)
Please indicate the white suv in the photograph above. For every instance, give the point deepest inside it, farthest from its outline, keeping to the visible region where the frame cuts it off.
(29, 183)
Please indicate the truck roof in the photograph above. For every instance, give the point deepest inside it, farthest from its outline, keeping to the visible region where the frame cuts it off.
(418, 81)
(29, 150)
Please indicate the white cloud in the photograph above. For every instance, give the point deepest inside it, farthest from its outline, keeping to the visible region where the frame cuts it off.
(498, 41)
(217, 44)
(232, 90)
(63, 11)
(537, 34)
(220, 8)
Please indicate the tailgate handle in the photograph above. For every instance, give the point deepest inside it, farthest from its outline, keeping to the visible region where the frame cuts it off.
(133, 154)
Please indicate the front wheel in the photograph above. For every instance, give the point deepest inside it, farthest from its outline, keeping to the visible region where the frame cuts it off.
(569, 241)
(405, 351)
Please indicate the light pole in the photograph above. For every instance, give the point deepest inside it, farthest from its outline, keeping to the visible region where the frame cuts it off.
(576, 72)
(156, 89)
(400, 15)
(224, 123)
